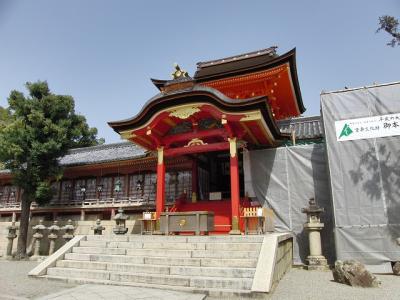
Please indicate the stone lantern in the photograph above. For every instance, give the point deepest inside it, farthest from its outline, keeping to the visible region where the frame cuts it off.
(12, 234)
(69, 231)
(38, 236)
(98, 228)
(120, 222)
(53, 235)
(316, 261)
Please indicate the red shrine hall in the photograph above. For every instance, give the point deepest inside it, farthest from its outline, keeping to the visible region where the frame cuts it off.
(228, 106)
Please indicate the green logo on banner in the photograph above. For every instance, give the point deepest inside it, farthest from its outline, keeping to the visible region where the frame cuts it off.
(346, 131)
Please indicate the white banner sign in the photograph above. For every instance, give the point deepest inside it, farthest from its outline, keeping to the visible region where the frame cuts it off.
(367, 128)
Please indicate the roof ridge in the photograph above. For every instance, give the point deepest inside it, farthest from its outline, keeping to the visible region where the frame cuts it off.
(100, 147)
(241, 56)
(301, 118)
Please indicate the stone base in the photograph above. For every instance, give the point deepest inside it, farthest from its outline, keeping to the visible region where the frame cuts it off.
(235, 232)
(120, 230)
(37, 258)
(396, 268)
(318, 263)
(158, 232)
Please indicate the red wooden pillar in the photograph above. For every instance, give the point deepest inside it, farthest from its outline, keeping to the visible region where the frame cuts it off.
(194, 180)
(235, 191)
(160, 197)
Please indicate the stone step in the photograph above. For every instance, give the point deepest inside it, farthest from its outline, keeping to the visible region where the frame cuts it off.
(205, 262)
(160, 252)
(171, 261)
(172, 245)
(170, 280)
(226, 239)
(155, 245)
(99, 244)
(111, 244)
(221, 283)
(159, 269)
(214, 293)
(135, 238)
(78, 264)
(97, 250)
(224, 254)
(229, 262)
(234, 246)
(79, 273)
(119, 238)
(105, 258)
(223, 272)
(178, 238)
(117, 267)
(192, 253)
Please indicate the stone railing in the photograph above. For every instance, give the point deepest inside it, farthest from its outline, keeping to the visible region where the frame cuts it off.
(87, 203)
(275, 260)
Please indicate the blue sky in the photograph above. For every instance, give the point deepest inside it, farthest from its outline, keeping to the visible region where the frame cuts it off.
(104, 53)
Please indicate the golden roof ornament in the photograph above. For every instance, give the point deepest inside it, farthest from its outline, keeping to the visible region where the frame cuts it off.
(179, 73)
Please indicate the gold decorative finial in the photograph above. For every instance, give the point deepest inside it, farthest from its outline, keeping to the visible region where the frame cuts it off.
(179, 73)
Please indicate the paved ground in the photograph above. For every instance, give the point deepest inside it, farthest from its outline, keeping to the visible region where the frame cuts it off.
(300, 284)
(16, 285)
(106, 292)
(297, 285)
(14, 281)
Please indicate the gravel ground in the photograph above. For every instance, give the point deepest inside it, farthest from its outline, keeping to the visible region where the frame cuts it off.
(15, 283)
(298, 284)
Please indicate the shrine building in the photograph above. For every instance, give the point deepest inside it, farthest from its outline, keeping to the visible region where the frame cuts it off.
(229, 140)
(185, 149)
(230, 105)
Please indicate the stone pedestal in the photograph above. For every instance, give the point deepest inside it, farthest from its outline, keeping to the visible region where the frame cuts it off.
(316, 261)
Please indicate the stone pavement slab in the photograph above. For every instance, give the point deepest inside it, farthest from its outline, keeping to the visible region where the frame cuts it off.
(107, 292)
(15, 283)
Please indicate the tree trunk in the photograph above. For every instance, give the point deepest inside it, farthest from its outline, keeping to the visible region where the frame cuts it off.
(23, 227)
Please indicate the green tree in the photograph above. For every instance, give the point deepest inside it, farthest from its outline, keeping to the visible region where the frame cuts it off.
(43, 127)
(5, 117)
(390, 25)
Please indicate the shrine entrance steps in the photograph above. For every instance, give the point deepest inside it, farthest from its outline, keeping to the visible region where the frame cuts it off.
(219, 266)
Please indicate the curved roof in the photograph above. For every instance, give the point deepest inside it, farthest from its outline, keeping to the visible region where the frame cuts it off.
(235, 63)
(196, 94)
(243, 64)
(253, 64)
(102, 153)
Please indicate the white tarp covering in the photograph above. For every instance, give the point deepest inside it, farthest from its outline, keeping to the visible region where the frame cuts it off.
(284, 179)
(364, 177)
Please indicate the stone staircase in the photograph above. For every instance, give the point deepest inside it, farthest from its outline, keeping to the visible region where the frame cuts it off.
(220, 266)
